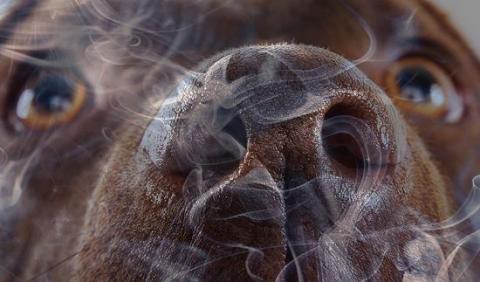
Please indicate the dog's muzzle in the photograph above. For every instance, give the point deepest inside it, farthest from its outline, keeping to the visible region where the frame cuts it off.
(274, 147)
(280, 162)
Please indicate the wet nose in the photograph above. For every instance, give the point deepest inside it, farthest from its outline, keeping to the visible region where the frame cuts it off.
(311, 101)
(276, 143)
(320, 127)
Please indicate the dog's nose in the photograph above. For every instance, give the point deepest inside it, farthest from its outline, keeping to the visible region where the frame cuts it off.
(279, 144)
(309, 101)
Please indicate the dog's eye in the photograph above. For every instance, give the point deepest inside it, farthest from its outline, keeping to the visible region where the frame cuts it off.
(420, 86)
(47, 100)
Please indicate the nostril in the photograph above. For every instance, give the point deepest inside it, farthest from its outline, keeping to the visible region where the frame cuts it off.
(235, 128)
(342, 138)
(226, 147)
(215, 142)
(344, 149)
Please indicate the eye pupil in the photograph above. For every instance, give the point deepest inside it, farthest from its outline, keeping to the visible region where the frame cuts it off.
(417, 84)
(53, 94)
(424, 88)
(48, 100)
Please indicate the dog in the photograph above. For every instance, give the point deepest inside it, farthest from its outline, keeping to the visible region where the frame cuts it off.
(236, 141)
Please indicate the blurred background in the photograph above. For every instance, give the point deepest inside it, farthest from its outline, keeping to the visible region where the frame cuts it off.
(465, 14)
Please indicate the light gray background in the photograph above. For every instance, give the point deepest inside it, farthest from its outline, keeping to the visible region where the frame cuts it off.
(466, 15)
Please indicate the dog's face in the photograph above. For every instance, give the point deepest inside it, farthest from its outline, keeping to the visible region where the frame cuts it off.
(185, 140)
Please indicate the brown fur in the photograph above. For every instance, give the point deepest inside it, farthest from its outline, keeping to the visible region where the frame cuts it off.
(84, 213)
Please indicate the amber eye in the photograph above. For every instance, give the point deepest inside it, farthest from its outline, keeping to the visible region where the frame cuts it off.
(420, 86)
(48, 100)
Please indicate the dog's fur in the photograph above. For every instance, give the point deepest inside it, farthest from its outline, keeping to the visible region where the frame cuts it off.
(105, 198)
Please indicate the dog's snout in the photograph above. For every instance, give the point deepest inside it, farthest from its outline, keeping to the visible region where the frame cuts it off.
(271, 148)
(283, 135)
(355, 124)
(320, 128)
